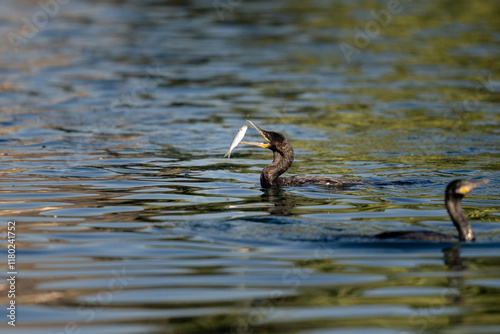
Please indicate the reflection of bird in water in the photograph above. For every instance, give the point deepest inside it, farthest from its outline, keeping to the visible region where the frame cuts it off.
(454, 193)
(283, 203)
(283, 158)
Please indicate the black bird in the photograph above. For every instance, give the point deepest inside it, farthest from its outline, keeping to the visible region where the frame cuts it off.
(283, 158)
(454, 194)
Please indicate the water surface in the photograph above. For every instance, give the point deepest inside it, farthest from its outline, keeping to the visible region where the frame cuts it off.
(114, 120)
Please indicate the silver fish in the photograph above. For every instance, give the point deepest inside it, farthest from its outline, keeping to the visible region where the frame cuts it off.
(238, 137)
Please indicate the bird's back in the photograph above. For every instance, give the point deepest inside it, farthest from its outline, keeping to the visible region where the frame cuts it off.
(326, 181)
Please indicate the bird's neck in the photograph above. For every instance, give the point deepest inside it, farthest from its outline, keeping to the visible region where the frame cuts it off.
(454, 207)
(282, 161)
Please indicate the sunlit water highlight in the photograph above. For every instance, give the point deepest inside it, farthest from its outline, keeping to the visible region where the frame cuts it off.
(114, 120)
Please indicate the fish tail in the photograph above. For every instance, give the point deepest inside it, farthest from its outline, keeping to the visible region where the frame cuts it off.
(228, 154)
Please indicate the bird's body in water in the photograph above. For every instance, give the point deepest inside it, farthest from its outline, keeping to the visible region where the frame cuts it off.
(283, 159)
(454, 194)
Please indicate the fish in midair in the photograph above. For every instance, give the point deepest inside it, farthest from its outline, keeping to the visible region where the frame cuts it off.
(238, 137)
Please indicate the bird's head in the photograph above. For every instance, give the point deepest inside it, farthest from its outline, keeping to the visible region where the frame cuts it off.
(274, 140)
(462, 187)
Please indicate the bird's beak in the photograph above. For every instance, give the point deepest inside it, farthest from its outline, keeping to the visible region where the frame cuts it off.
(263, 133)
(466, 188)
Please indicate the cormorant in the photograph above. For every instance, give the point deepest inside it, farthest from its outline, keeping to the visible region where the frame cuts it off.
(454, 193)
(283, 158)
